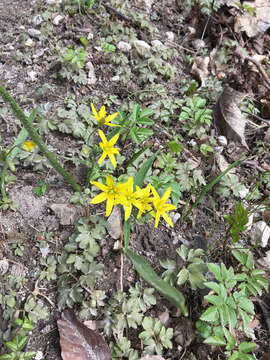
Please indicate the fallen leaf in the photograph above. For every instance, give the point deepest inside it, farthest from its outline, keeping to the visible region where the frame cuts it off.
(67, 213)
(78, 342)
(228, 117)
(115, 223)
(254, 23)
(200, 68)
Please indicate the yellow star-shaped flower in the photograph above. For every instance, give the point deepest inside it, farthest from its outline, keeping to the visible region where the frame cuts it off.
(127, 197)
(143, 200)
(107, 148)
(110, 192)
(101, 117)
(161, 207)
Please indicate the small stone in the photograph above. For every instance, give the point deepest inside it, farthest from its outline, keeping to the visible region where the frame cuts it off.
(90, 36)
(58, 19)
(115, 223)
(91, 73)
(198, 44)
(4, 265)
(34, 33)
(124, 46)
(164, 318)
(39, 355)
(222, 140)
(170, 35)
(142, 47)
(176, 217)
(29, 43)
(152, 357)
(53, 2)
(156, 43)
(37, 20)
(115, 78)
(67, 213)
(260, 233)
(32, 75)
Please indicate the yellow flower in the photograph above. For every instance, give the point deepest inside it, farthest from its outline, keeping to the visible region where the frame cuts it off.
(101, 117)
(29, 145)
(107, 148)
(143, 200)
(161, 207)
(110, 192)
(127, 197)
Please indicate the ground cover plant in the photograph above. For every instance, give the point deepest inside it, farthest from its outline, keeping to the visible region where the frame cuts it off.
(129, 193)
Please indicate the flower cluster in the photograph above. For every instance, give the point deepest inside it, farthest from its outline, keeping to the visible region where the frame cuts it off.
(145, 200)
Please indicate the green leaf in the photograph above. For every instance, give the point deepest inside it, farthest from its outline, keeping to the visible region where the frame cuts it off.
(182, 276)
(247, 347)
(215, 269)
(245, 304)
(212, 285)
(126, 231)
(210, 315)
(146, 112)
(135, 113)
(6, 357)
(216, 341)
(141, 174)
(174, 146)
(214, 299)
(84, 41)
(146, 271)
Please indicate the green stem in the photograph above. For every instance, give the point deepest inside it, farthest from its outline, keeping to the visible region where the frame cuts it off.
(36, 138)
(2, 181)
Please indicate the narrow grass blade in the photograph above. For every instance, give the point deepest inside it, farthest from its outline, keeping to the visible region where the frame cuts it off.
(211, 184)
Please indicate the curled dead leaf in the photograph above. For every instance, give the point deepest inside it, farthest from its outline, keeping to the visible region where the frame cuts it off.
(78, 342)
(228, 117)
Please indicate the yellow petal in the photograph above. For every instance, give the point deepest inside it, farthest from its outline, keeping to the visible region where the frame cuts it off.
(113, 161)
(157, 219)
(109, 118)
(103, 156)
(109, 206)
(167, 194)
(109, 181)
(154, 192)
(102, 112)
(167, 219)
(169, 207)
(94, 111)
(114, 139)
(127, 212)
(99, 198)
(99, 185)
(102, 136)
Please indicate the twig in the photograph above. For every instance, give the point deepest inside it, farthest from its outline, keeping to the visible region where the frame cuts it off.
(257, 117)
(258, 65)
(121, 262)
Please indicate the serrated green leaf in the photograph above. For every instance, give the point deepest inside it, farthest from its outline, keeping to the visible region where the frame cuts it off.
(216, 341)
(214, 299)
(247, 347)
(210, 315)
(245, 304)
(215, 269)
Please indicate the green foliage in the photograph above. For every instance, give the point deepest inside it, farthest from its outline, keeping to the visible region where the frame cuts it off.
(237, 221)
(205, 149)
(127, 310)
(195, 115)
(77, 56)
(230, 184)
(134, 125)
(77, 261)
(231, 307)
(155, 336)
(19, 341)
(206, 7)
(41, 188)
(123, 349)
(193, 267)
(146, 271)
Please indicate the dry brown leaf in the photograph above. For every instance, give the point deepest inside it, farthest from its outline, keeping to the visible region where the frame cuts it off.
(200, 68)
(256, 23)
(67, 213)
(228, 116)
(78, 342)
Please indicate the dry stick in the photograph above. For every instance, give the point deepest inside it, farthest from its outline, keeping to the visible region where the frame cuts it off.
(258, 65)
(17, 111)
